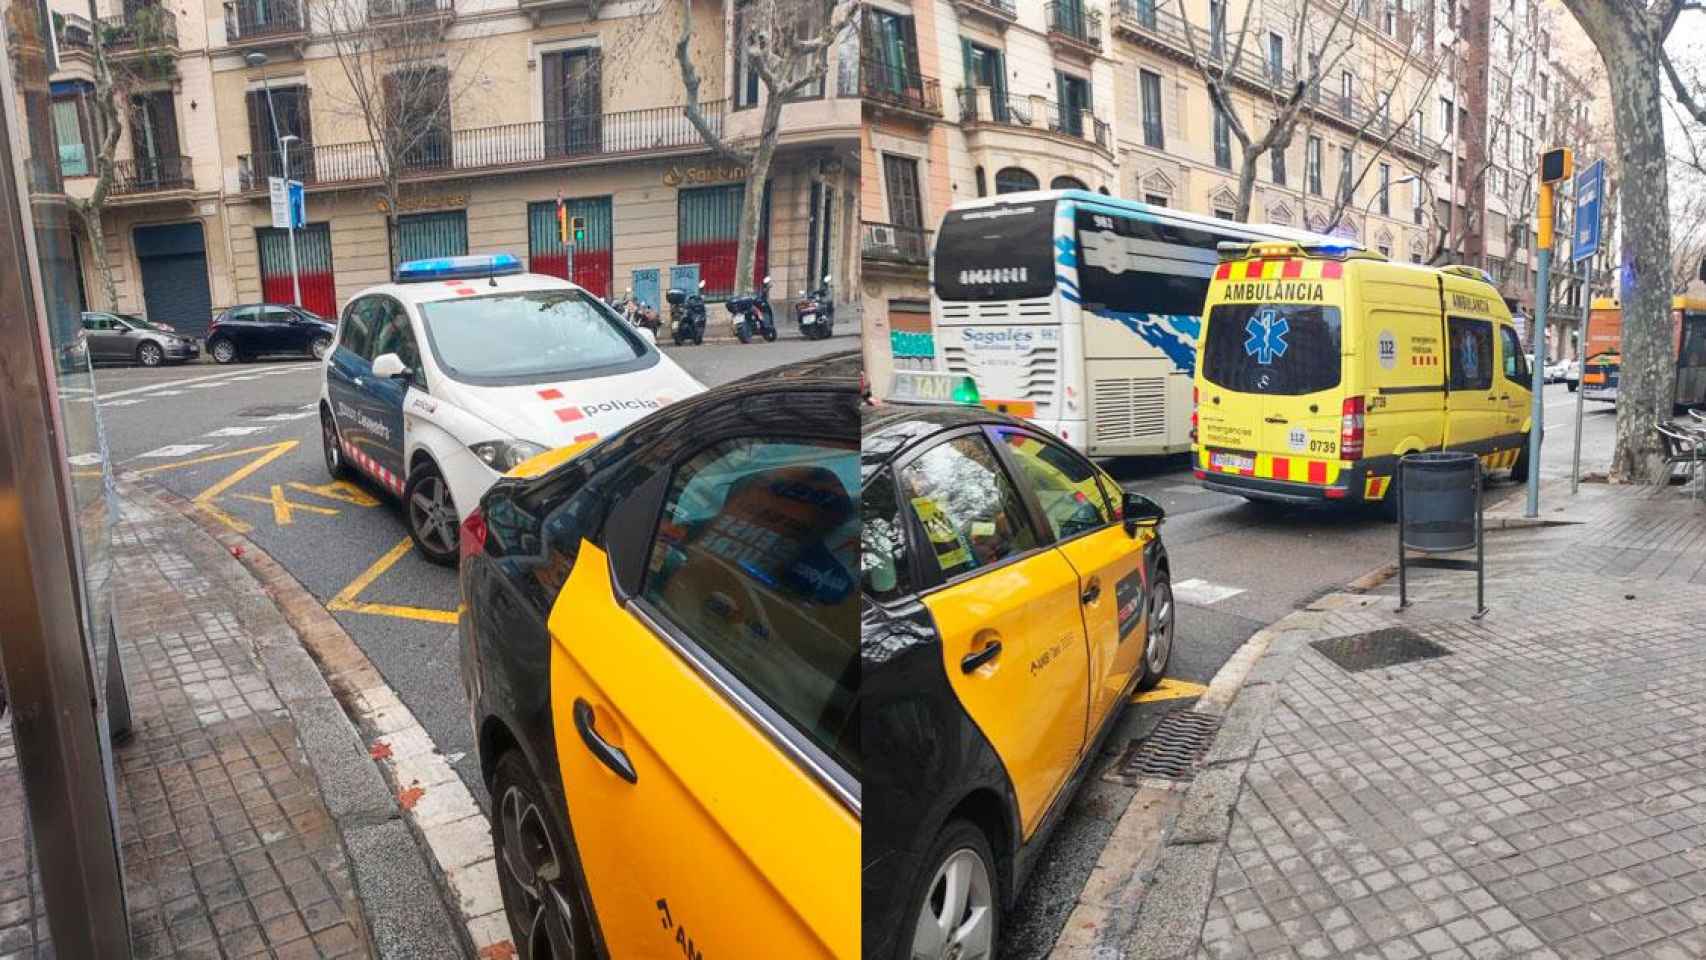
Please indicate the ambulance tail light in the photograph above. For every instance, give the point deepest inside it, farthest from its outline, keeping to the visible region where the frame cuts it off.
(1351, 424)
(473, 539)
(1196, 397)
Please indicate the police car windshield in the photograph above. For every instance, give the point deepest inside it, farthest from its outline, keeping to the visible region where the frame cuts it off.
(527, 335)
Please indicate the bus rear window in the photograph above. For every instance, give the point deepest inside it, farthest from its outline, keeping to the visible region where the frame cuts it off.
(1003, 252)
(1281, 349)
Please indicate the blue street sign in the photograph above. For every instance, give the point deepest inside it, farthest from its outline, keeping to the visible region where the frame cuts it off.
(298, 205)
(1590, 197)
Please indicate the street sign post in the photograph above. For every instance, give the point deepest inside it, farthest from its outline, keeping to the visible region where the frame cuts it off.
(1584, 244)
(279, 193)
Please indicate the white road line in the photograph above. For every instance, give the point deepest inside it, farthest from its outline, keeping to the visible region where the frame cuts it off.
(209, 386)
(1201, 593)
(178, 383)
(283, 417)
(235, 431)
(175, 450)
(127, 402)
(84, 460)
(165, 393)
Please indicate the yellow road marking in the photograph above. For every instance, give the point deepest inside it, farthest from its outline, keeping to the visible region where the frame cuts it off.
(283, 507)
(346, 600)
(205, 498)
(1171, 689)
(209, 458)
(338, 490)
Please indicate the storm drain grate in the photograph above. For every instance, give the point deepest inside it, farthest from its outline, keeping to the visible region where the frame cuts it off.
(1381, 648)
(1172, 750)
(270, 410)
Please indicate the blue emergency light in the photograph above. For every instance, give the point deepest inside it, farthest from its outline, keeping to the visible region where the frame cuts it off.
(458, 268)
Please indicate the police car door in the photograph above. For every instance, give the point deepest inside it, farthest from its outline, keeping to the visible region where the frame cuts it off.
(1005, 604)
(381, 398)
(349, 366)
(1109, 562)
(706, 730)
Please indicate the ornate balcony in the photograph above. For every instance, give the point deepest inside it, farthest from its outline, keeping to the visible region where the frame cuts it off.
(888, 86)
(1073, 27)
(135, 178)
(997, 13)
(980, 107)
(261, 23)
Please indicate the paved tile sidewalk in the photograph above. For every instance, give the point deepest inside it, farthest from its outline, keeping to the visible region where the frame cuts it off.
(230, 847)
(1538, 792)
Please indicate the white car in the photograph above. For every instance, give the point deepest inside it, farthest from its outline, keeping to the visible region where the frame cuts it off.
(1557, 371)
(465, 367)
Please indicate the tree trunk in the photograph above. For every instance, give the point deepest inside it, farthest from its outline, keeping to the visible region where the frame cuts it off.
(96, 233)
(1247, 183)
(1647, 379)
(752, 208)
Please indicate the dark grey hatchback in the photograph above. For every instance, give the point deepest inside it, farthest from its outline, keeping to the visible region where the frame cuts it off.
(261, 329)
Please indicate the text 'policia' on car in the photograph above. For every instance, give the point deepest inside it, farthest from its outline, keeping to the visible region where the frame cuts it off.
(1015, 597)
(514, 364)
(660, 652)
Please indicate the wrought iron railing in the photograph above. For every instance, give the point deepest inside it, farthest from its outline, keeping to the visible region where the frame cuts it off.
(1074, 21)
(138, 28)
(249, 20)
(900, 86)
(75, 32)
(1000, 8)
(535, 143)
(151, 175)
(980, 105)
(401, 9)
(895, 244)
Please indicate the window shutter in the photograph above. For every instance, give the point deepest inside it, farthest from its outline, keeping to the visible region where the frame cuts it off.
(909, 30)
(261, 143)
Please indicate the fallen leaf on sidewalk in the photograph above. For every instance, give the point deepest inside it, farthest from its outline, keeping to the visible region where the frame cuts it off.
(408, 798)
(380, 750)
(502, 950)
(237, 552)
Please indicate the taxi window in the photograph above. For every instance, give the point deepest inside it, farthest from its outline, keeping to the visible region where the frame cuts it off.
(1063, 483)
(1471, 353)
(356, 335)
(884, 564)
(1280, 349)
(970, 514)
(753, 560)
(1516, 362)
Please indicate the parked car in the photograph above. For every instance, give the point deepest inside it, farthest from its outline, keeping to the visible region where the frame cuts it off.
(1558, 371)
(252, 330)
(124, 337)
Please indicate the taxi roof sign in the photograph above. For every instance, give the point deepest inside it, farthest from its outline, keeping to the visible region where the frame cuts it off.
(458, 268)
(918, 386)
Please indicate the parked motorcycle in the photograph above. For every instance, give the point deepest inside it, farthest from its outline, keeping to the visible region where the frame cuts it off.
(636, 312)
(687, 315)
(754, 315)
(815, 312)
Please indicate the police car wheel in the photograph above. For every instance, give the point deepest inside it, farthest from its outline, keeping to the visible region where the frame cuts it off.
(329, 445)
(539, 884)
(431, 514)
(1158, 632)
(956, 914)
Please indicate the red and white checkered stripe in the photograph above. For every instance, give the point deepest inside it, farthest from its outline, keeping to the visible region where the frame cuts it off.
(371, 467)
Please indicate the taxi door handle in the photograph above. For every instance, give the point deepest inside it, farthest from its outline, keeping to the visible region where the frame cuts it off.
(1093, 592)
(608, 754)
(972, 661)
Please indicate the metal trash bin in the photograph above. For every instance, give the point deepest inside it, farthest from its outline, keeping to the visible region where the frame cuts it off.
(1440, 496)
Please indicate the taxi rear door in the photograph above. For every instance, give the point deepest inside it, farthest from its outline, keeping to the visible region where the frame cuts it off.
(1064, 491)
(703, 677)
(1005, 604)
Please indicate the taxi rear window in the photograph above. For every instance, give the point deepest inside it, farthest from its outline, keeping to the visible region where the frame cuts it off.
(1280, 349)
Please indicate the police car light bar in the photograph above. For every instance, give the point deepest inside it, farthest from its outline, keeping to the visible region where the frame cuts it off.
(915, 386)
(458, 268)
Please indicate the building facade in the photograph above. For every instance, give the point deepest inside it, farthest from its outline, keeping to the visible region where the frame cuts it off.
(489, 111)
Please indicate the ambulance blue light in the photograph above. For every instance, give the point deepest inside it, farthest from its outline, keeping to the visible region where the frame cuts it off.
(458, 268)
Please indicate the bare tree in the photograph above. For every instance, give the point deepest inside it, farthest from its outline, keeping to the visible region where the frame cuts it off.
(786, 43)
(402, 77)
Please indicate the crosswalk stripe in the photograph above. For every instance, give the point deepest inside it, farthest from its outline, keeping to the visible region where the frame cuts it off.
(175, 450)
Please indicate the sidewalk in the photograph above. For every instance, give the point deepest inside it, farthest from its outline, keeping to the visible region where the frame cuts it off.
(1412, 784)
(253, 821)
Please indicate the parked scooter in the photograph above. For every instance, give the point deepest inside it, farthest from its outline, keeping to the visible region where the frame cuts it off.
(636, 312)
(753, 314)
(687, 315)
(815, 312)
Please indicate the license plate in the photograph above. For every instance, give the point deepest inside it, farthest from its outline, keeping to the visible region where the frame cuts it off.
(1017, 408)
(808, 318)
(1232, 462)
(1594, 378)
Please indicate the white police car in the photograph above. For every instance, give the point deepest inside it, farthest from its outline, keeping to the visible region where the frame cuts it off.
(466, 366)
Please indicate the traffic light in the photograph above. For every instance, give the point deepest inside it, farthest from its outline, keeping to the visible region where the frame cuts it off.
(1556, 165)
(579, 224)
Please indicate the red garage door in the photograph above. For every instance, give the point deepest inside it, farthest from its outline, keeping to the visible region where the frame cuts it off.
(708, 233)
(592, 255)
(313, 264)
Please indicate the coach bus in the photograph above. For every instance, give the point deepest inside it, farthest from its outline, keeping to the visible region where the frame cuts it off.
(1081, 311)
(1600, 371)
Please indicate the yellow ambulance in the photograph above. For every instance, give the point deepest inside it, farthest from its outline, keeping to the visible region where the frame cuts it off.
(1319, 366)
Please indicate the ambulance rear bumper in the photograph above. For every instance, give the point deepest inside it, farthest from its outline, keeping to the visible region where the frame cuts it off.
(1347, 489)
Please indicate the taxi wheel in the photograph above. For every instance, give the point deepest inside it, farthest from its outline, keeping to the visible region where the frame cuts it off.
(956, 913)
(329, 445)
(541, 895)
(432, 518)
(1158, 646)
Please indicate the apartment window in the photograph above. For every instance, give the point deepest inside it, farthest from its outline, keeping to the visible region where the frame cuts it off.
(420, 98)
(1224, 213)
(1276, 57)
(1075, 102)
(1527, 105)
(572, 87)
(1385, 250)
(1276, 164)
(1386, 190)
(1217, 28)
(746, 72)
(1545, 88)
(1462, 169)
(1447, 116)
(1345, 163)
(1496, 179)
(1312, 165)
(71, 131)
(154, 136)
(890, 51)
(986, 68)
(905, 207)
(1015, 180)
(1463, 118)
(1347, 85)
(1154, 132)
(1155, 199)
(1527, 149)
(1222, 140)
(1389, 19)
(982, 184)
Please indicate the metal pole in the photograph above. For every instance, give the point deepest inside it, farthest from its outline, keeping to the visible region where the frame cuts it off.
(290, 222)
(1581, 355)
(1538, 416)
(1403, 562)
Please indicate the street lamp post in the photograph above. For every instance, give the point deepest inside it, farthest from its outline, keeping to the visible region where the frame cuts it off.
(258, 59)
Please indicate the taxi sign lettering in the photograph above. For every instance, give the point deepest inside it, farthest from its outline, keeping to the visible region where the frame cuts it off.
(1268, 291)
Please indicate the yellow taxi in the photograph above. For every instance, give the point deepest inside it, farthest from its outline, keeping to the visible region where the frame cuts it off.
(660, 653)
(1319, 367)
(1014, 598)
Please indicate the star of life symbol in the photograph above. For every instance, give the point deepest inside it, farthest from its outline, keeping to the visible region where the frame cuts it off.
(1266, 331)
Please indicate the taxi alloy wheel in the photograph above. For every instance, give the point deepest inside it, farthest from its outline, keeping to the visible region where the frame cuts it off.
(432, 515)
(1159, 648)
(957, 916)
(536, 881)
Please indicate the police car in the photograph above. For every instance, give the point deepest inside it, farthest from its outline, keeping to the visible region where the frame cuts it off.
(660, 651)
(1014, 598)
(465, 367)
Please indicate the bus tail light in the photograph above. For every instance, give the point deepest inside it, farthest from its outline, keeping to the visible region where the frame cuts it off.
(1351, 424)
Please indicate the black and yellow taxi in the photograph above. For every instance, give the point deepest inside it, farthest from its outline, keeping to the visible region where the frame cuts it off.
(659, 647)
(1014, 598)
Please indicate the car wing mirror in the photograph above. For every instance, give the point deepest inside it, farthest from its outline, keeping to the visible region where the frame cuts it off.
(1140, 513)
(389, 366)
